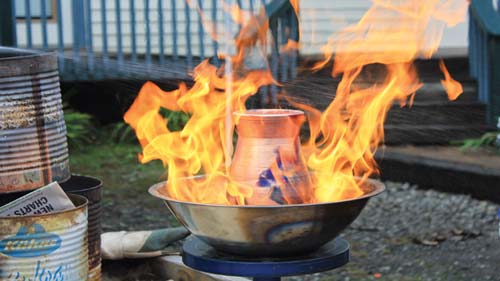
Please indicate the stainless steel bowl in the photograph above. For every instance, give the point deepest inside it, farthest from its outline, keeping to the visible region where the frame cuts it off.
(268, 231)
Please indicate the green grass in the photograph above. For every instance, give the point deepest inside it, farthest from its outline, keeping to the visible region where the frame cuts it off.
(117, 165)
(125, 183)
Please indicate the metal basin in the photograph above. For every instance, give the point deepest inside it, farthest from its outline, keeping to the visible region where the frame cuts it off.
(267, 231)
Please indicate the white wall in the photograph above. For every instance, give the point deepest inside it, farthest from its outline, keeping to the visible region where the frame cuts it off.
(319, 20)
(140, 27)
(52, 33)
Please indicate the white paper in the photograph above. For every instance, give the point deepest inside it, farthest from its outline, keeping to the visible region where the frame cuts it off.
(48, 199)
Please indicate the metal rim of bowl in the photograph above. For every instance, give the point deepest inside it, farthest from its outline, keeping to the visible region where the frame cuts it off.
(260, 113)
(153, 190)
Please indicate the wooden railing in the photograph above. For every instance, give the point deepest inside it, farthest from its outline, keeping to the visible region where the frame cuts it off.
(484, 53)
(139, 39)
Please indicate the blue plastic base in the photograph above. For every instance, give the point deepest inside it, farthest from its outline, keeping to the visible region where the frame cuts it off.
(200, 256)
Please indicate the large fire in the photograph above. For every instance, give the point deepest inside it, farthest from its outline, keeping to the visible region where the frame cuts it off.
(343, 138)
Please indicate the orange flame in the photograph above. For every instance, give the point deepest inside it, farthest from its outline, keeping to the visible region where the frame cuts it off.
(198, 147)
(352, 125)
(452, 87)
(343, 138)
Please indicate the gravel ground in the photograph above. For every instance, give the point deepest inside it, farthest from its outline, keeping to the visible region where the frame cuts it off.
(410, 234)
(405, 233)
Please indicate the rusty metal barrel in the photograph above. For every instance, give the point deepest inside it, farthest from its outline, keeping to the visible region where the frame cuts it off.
(91, 188)
(33, 146)
(45, 247)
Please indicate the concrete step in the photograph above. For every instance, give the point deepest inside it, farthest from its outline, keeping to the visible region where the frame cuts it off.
(444, 168)
(438, 113)
(430, 134)
(434, 91)
(427, 69)
(432, 119)
(320, 91)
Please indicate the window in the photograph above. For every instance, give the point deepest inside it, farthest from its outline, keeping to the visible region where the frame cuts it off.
(35, 8)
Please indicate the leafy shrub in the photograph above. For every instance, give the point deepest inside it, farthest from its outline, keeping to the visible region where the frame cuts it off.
(80, 128)
(123, 133)
(488, 139)
(176, 119)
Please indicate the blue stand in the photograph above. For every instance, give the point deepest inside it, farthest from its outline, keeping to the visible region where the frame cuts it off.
(200, 256)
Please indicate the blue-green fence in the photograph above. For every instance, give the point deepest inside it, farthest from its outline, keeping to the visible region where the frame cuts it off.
(138, 39)
(484, 53)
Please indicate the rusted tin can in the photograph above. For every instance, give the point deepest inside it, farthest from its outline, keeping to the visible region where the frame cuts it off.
(91, 188)
(45, 247)
(33, 146)
(268, 157)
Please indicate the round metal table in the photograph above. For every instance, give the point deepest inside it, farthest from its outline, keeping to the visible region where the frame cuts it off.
(200, 256)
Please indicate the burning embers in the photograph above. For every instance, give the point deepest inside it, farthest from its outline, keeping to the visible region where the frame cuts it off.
(268, 166)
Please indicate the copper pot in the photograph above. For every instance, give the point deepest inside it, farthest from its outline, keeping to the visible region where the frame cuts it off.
(268, 157)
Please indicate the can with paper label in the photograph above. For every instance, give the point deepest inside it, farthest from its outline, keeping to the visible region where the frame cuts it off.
(50, 246)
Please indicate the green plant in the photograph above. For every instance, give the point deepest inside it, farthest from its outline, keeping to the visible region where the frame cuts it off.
(473, 144)
(123, 133)
(79, 127)
(176, 119)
